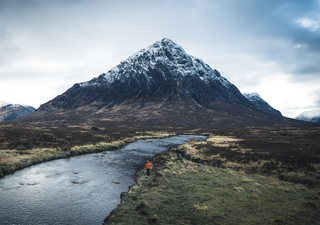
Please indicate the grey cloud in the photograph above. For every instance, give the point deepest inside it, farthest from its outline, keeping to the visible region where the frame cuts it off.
(317, 99)
(308, 70)
(3, 35)
(276, 20)
(9, 51)
(304, 65)
(239, 37)
(4, 4)
(20, 5)
(245, 83)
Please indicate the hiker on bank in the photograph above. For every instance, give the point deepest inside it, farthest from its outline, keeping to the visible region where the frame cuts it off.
(148, 167)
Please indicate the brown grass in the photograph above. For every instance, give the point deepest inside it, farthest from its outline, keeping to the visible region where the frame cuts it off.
(12, 160)
(180, 191)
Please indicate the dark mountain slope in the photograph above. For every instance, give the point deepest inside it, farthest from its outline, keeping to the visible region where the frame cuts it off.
(14, 111)
(259, 102)
(159, 86)
(158, 72)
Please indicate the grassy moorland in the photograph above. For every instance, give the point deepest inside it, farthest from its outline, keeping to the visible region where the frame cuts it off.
(238, 176)
(22, 146)
(268, 175)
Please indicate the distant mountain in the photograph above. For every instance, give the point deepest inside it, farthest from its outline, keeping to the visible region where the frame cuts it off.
(159, 86)
(259, 102)
(310, 116)
(3, 103)
(13, 111)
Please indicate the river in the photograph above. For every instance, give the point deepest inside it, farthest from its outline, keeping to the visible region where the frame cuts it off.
(77, 190)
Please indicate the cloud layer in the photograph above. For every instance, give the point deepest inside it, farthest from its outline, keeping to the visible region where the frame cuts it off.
(269, 47)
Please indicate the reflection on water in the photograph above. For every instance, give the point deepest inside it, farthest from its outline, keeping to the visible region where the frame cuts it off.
(78, 190)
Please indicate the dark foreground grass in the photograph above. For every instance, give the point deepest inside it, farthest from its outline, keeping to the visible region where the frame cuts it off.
(182, 192)
(13, 136)
(228, 190)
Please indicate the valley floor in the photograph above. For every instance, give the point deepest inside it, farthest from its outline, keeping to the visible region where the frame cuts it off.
(266, 175)
(238, 185)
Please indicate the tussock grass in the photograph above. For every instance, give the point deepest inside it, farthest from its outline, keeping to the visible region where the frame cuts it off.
(182, 192)
(257, 185)
(247, 181)
(227, 152)
(239, 189)
(248, 178)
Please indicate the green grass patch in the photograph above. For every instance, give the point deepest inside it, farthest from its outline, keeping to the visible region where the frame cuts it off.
(181, 192)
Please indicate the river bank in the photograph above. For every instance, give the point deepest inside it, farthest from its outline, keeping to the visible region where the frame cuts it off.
(12, 160)
(270, 175)
(223, 181)
(78, 190)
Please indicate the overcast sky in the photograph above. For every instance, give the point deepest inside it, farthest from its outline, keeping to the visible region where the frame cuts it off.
(270, 47)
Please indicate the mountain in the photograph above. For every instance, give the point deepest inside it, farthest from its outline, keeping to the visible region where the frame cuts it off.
(310, 116)
(159, 86)
(13, 111)
(4, 103)
(259, 102)
(160, 72)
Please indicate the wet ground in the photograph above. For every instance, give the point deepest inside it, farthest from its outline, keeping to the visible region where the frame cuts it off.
(77, 190)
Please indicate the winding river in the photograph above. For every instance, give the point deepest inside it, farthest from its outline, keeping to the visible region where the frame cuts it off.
(78, 190)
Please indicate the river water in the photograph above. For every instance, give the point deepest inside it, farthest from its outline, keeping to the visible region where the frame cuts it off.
(77, 190)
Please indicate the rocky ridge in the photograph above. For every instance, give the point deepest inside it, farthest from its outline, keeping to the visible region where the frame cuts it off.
(259, 102)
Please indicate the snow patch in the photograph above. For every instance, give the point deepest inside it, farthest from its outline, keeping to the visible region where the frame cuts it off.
(164, 52)
(3, 103)
(311, 115)
(11, 105)
(252, 97)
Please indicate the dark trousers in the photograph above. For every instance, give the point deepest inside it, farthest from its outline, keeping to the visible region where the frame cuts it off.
(148, 172)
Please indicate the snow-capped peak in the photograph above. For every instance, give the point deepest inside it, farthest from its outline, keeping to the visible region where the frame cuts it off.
(311, 115)
(252, 96)
(162, 53)
(3, 104)
(172, 51)
(160, 72)
(11, 105)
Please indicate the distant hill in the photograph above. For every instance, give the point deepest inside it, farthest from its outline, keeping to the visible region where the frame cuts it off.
(159, 86)
(10, 111)
(310, 116)
(258, 101)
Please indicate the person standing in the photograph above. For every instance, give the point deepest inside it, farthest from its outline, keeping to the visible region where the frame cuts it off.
(148, 167)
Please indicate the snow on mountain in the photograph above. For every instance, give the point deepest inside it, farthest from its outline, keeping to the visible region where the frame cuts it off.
(252, 97)
(161, 71)
(164, 52)
(9, 111)
(11, 105)
(3, 103)
(159, 86)
(258, 101)
(310, 116)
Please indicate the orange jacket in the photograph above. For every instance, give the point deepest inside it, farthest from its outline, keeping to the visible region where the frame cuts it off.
(148, 165)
